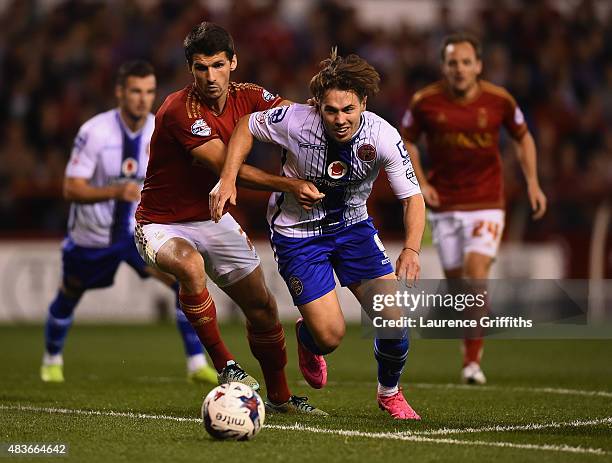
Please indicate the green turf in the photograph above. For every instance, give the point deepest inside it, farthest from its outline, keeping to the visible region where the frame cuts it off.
(140, 369)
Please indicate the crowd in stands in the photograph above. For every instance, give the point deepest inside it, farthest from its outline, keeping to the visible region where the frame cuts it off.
(57, 67)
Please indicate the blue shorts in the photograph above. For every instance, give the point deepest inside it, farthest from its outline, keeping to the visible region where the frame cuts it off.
(87, 268)
(307, 265)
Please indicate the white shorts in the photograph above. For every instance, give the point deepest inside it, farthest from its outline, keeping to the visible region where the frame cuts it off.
(228, 253)
(455, 233)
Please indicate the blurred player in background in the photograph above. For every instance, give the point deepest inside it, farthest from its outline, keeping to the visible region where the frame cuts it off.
(340, 148)
(174, 230)
(103, 181)
(461, 117)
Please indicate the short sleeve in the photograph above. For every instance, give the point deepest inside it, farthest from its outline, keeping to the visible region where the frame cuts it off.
(272, 125)
(261, 99)
(189, 133)
(514, 120)
(84, 155)
(396, 161)
(411, 126)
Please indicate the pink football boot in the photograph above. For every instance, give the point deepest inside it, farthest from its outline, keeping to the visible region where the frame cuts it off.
(397, 406)
(313, 367)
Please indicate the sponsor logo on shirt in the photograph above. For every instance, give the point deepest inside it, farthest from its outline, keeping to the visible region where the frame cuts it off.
(129, 167)
(468, 140)
(201, 128)
(267, 96)
(337, 169)
(312, 146)
(367, 153)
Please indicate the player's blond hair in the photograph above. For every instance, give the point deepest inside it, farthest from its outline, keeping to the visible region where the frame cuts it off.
(351, 73)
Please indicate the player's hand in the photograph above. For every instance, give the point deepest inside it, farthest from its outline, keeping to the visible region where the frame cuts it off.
(537, 198)
(430, 195)
(218, 197)
(408, 267)
(128, 191)
(305, 193)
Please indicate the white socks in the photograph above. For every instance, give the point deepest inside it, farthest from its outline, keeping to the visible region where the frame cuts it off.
(195, 362)
(385, 391)
(55, 359)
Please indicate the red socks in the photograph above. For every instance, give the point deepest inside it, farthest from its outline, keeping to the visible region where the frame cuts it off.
(201, 312)
(269, 349)
(472, 350)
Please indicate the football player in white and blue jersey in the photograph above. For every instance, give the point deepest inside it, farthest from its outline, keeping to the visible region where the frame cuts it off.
(340, 148)
(103, 180)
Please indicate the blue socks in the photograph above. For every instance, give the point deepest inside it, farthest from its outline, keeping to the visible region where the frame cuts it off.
(391, 356)
(191, 342)
(59, 322)
(307, 340)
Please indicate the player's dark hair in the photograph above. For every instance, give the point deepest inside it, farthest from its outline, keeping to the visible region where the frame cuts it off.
(461, 37)
(136, 68)
(345, 73)
(208, 39)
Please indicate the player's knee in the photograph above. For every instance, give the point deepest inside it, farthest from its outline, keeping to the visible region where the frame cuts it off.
(188, 267)
(476, 272)
(71, 292)
(329, 340)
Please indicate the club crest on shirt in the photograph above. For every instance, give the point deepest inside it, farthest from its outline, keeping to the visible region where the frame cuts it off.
(129, 167)
(337, 169)
(201, 128)
(267, 96)
(367, 153)
(260, 117)
(296, 285)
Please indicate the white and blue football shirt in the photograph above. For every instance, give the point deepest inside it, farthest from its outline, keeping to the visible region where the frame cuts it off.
(105, 151)
(344, 172)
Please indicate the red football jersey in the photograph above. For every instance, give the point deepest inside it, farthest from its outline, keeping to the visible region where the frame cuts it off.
(463, 142)
(176, 186)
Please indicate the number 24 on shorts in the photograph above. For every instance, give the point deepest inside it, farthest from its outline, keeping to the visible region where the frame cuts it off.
(483, 227)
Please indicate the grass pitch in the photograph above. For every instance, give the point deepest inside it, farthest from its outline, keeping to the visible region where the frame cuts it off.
(126, 399)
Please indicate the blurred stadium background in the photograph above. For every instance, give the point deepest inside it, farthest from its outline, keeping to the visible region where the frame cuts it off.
(57, 65)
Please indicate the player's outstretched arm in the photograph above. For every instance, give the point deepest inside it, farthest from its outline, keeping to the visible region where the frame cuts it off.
(408, 267)
(526, 153)
(429, 192)
(80, 191)
(305, 192)
(225, 190)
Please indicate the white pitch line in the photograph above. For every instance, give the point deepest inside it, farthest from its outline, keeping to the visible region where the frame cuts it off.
(337, 432)
(474, 388)
(111, 413)
(418, 438)
(542, 390)
(507, 428)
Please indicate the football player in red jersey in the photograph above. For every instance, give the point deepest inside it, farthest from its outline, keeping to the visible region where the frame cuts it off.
(461, 117)
(174, 230)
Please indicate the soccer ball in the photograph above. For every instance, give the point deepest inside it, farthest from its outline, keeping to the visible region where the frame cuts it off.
(233, 411)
